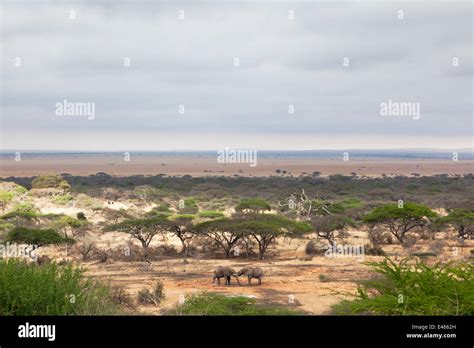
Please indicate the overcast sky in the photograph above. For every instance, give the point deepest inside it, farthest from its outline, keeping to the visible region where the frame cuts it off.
(190, 62)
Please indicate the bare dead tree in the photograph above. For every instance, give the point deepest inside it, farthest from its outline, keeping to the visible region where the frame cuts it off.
(86, 249)
(306, 207)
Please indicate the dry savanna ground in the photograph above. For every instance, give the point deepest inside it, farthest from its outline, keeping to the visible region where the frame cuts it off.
(208, 166)
(292, 278)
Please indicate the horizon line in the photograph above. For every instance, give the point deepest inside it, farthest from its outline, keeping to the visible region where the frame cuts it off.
(244, 148)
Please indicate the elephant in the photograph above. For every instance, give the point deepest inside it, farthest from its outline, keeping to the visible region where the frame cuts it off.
(224, 272)
(252, 272)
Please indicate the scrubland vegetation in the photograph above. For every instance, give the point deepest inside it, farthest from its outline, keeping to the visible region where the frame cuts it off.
(414, 289)
(26, 289)
(416, 231)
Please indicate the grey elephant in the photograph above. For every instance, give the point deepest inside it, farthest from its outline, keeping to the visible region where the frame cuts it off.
(224, 272)
(252, 272)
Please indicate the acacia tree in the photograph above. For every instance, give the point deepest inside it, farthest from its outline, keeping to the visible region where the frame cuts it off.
(63, 224)
(143, 230)
(462, 220)
(265, 228)
(69, 227)
(21, 218)
(400, 219)
(37, 237)
(222, 231)
(116, 215)
(331, 227)
(181, 227)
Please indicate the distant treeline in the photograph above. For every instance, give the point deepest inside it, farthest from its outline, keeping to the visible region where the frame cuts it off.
(435, 191)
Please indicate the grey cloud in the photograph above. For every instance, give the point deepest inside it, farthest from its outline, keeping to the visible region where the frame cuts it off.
(283, 62)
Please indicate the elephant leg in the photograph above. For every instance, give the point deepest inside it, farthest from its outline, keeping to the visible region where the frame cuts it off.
(259, 281)
(250, 280)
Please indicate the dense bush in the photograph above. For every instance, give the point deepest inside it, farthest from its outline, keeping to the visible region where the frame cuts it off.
(253, 204)
(26, 289)
(162, 208)
(216, 304)
(210, 214)
(24, 207)
(50, 181)
(62, 199)
(414, 289)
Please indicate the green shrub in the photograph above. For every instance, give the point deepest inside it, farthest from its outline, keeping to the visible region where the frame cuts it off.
(324, 278)
(216, 304)
(20, 218)
(5, 226)
(6, 197)
(190, 206)
(11, 192)
(37, 236)
(62, 199)
(253, 204)
(24, 207)
(163, 208)
(211, 214)
(346, 204)
(26, 289)
(413, 289)
(155, 214)
(84, 201)
(50, 181)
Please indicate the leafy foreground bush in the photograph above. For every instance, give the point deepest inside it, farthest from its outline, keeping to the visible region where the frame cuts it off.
(215, 304)
(414, 289)
(26, 289)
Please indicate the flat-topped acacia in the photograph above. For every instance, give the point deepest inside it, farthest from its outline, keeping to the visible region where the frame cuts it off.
(400, 220)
